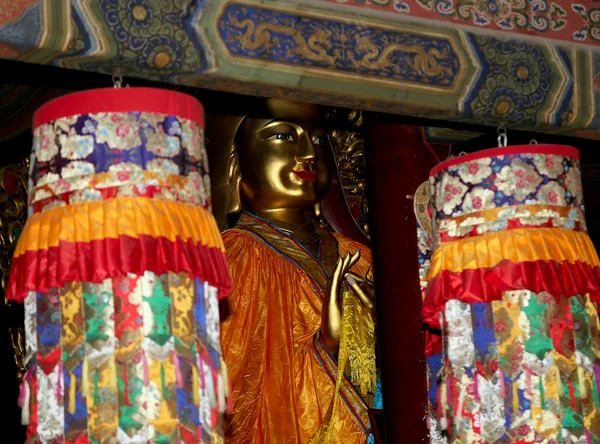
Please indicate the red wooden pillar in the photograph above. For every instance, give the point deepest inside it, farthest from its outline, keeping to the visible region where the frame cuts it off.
(398, 161)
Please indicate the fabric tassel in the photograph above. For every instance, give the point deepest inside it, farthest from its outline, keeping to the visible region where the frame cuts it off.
(449, 392)
(221, 388)
(24, 400)
(461, 402)
(559, 384)
(542, 397)
(443, 399)
(59, 380)
(25, 388)
(126, 385)
(146, 370)
(515, 397)
(582, 385)
(96, 388)
(72, 392)
(360, 337)
(113, 373)
(572, 396)
(210, 385)
(163, 381)
(597, 374)
(202, 377)
(195, 388)
(225, 376)
(85, 378)
(178, 376)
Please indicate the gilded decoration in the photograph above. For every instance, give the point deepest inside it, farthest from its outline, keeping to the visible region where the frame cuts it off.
(259, 33)
(349, 152)
(13, 213)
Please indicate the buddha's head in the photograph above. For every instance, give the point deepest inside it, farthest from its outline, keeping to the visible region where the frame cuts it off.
(278, 160)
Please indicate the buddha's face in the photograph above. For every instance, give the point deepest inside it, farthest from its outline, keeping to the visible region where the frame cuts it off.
(283, 163)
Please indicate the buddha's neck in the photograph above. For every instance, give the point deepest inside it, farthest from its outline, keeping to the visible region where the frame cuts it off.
(294, 219)
(295, 223)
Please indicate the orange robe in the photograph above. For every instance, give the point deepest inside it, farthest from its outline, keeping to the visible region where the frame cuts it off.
(282, 376)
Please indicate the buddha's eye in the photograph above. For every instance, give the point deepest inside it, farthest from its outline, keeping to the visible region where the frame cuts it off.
(322, 140)
(281, 136)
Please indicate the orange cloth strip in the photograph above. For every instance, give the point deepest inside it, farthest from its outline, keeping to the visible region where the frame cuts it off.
(122, 216)
(518, 245)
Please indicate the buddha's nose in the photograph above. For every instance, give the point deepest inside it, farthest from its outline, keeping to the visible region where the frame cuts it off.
(305, 151)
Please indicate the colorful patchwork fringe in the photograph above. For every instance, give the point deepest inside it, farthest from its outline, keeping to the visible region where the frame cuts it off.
(513, 289)
(121, 267)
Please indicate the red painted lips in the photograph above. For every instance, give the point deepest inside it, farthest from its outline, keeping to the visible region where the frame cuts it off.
(308, 176)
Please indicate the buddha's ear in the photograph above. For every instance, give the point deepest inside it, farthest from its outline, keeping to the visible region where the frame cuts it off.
(221, 132)
(235, 178)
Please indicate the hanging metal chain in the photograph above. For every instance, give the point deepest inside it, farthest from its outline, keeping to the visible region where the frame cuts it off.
(117, 80)
(502, 137)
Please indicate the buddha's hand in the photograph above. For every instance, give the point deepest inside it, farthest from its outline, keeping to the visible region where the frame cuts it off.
(331, 315)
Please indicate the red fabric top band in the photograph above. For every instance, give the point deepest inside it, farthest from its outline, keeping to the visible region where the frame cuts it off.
(116, 100)
(557, 150)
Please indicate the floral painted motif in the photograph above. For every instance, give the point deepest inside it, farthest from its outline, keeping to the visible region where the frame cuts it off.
(518, 78)
(560, 19)
(155, 39)
(591, 23)
(507, 180)
(539, 15)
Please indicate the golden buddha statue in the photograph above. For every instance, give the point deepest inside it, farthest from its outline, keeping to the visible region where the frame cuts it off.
(302, 305)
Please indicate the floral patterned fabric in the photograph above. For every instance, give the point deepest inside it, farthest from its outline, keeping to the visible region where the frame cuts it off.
(512, 293)
(121, 267)
(135, 151)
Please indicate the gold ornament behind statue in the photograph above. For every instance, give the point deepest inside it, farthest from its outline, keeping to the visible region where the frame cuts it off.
(13, 213)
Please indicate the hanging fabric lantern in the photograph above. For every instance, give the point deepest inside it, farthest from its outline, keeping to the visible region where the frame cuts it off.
(513, 288)
(120, 267)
